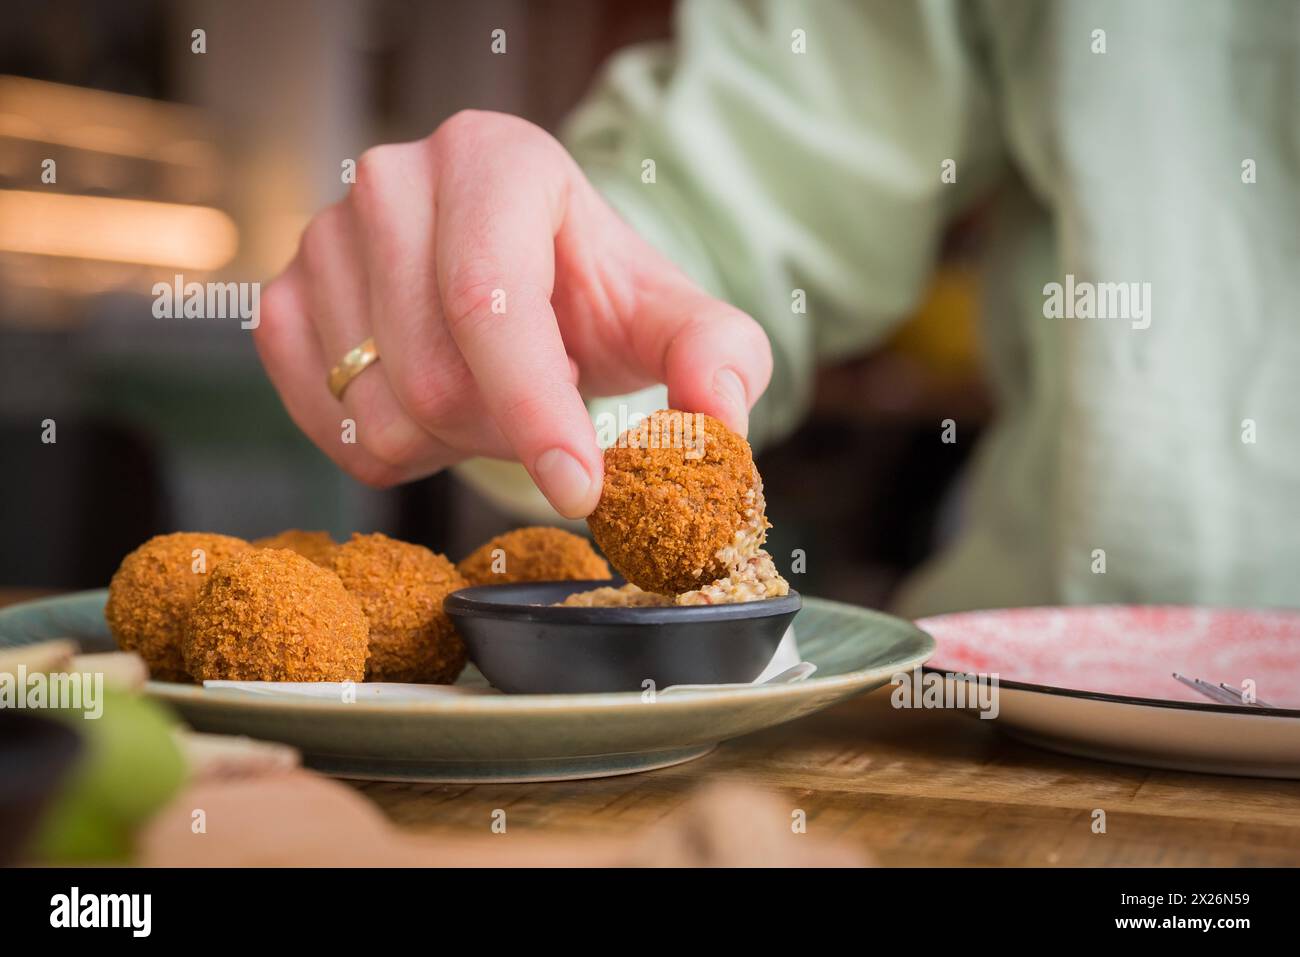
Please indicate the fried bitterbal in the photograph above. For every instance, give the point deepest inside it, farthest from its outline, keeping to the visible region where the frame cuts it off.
(153, 590)
(318, 546)
(682, 505)
(401, 587)
(536, 554)
(270, 614)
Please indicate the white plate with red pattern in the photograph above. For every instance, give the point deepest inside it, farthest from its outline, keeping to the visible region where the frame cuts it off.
(1097, 681)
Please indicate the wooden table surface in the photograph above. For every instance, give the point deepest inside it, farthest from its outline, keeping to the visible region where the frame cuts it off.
(910, 787)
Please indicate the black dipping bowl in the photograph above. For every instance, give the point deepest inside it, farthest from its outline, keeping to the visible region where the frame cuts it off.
(525, 645)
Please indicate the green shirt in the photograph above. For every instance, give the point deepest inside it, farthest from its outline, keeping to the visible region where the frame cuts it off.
(1165, 447)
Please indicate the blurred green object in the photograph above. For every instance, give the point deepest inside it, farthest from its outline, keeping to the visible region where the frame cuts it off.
(130, 767)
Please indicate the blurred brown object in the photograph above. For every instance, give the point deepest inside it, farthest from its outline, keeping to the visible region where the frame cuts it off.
(928, 369)
(287, 819)
(124, 670)
(734, 825)
(44, 656)
(226, 756)
(300, 819)
(12, 596)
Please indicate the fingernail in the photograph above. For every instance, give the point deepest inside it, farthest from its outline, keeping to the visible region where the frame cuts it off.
(728, 387)
(564, 481)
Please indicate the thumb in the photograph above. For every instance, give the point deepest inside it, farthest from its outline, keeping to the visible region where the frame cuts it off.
(712, 356)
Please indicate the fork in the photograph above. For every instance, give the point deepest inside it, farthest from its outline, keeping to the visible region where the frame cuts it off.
(1223, 694)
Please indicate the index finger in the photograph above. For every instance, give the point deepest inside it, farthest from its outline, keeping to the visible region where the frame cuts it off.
(495, 235)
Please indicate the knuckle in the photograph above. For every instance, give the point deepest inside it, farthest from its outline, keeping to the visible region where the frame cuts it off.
(394, 445)
(375, 160)
(274, 307)
(374, 167)
(468, 294)
(464, 126)
(528, 412)
(469, 128)
(315, 243)
(432, 395)
(389, 177)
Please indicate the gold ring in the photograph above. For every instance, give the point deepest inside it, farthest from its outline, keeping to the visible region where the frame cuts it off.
(351, 366)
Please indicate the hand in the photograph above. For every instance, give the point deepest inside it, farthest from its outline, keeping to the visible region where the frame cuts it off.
(499, 289)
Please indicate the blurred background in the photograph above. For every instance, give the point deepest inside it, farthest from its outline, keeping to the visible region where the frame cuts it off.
(169, 161)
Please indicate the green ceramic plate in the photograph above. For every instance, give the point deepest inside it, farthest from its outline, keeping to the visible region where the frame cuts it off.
(500, 738)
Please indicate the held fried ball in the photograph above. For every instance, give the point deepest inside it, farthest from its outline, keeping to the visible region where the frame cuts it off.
(533, 555)
(318, 546)
(273, 615)
(153, 590)
(682, 505)
(401, 587)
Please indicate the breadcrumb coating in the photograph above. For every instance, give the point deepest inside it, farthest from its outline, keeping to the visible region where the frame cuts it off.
(318, 546)
(536, 554)
(153, 590)
(272, 615)
(623, 596)
(754, 580)
(681, 501)
(401, 587)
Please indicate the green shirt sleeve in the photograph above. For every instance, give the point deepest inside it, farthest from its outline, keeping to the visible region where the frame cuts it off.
(799, 151)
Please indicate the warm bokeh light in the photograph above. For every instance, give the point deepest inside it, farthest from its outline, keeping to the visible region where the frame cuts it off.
(94, 120)
(116, 230)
